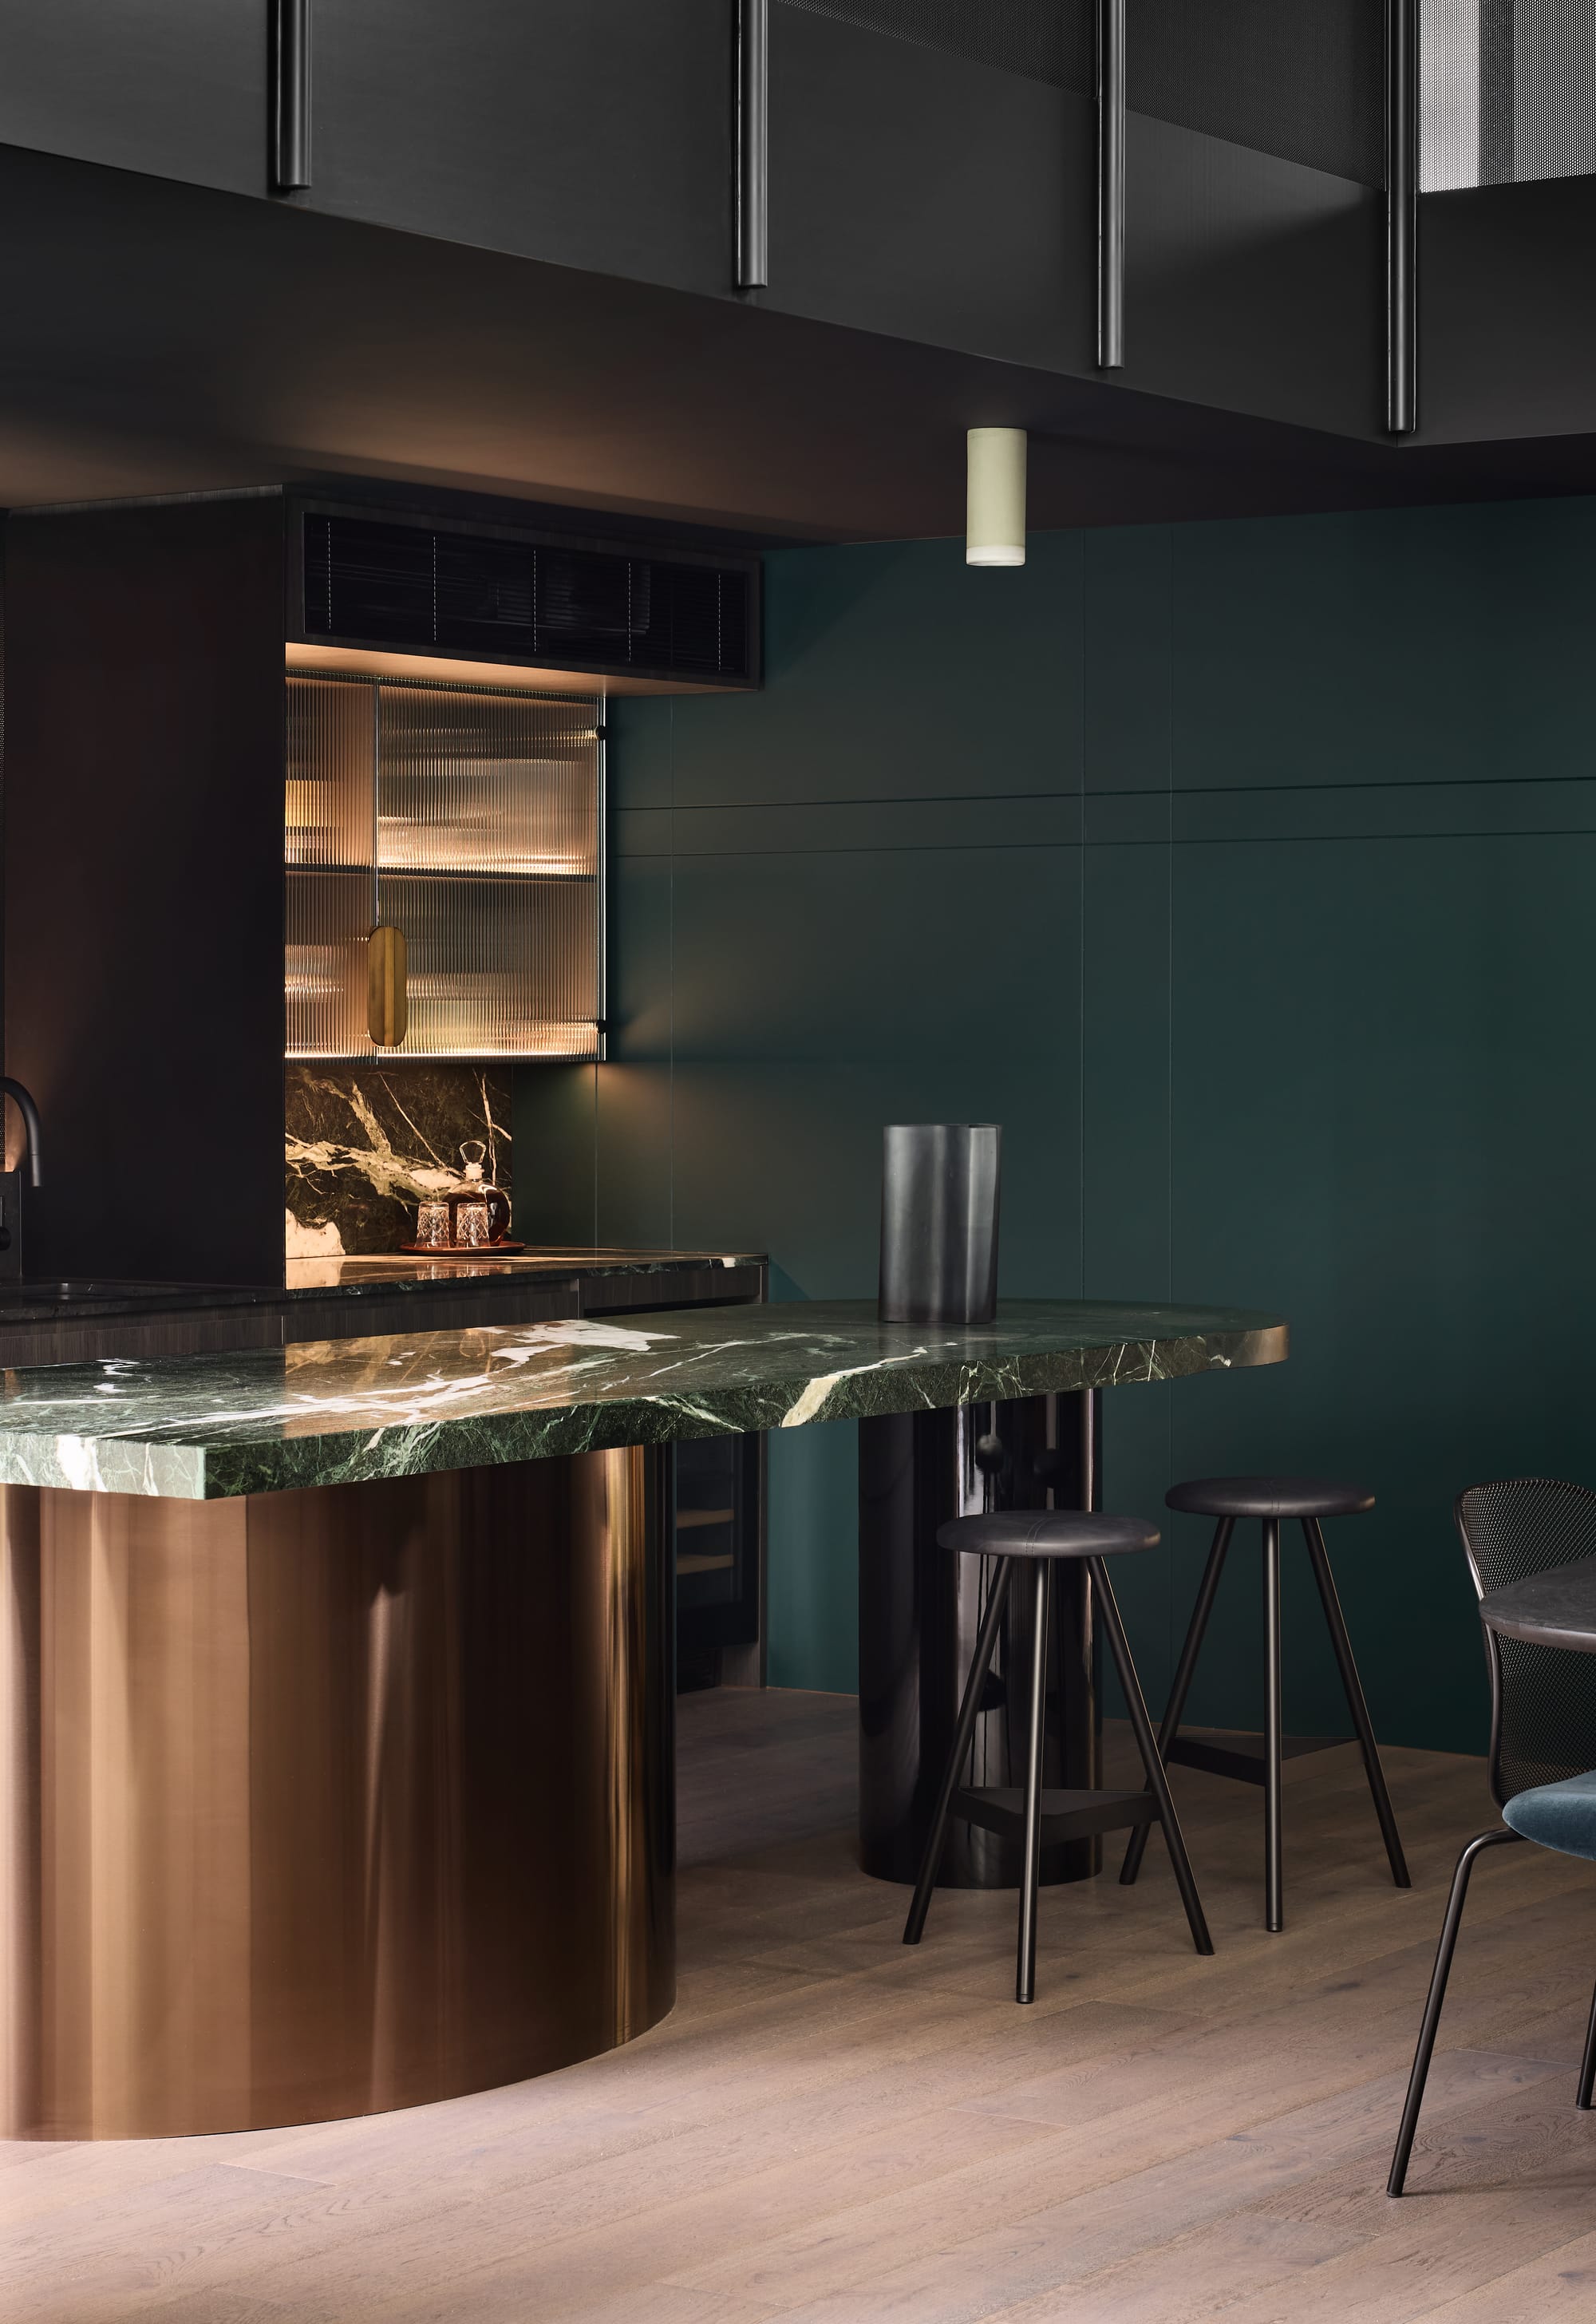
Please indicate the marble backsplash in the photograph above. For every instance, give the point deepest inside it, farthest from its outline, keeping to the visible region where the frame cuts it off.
(364, 1143)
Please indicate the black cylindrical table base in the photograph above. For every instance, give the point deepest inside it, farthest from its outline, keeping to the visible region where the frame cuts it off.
(920, 1609)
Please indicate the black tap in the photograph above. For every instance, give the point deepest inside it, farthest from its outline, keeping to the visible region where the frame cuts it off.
(24, 1101)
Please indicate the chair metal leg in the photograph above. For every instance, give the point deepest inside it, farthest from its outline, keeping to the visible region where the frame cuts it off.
(1588, 2062)
(1312, 1534)
(985, 1646)
(1273, 1878)
(1152, 1761)
(1169, 1725)
(1025, 1979)
(1438, 1994)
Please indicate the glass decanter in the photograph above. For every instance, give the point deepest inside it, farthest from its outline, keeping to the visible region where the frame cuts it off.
(479, 1212)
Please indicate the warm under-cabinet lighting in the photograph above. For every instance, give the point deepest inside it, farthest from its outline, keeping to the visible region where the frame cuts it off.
(994, 521)
(461, 823)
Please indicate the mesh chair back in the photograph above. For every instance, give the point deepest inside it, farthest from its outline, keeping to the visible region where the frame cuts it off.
(1542, 1725)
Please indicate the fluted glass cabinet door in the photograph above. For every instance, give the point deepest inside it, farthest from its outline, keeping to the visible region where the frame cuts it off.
(468, 817)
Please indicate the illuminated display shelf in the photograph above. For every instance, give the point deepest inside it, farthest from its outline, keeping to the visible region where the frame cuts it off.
(471, 817)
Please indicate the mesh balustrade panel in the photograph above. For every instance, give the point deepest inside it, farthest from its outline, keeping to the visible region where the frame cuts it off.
(1300, 78)
(1507, 91)
(1545, 1726)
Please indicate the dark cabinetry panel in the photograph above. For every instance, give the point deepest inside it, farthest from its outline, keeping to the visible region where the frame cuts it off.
(143, 885)
(684, 1286)
(1506, 324)
(472, 1309)
(597, 135)
(177, 87)
(1252, 283)
(915, 192)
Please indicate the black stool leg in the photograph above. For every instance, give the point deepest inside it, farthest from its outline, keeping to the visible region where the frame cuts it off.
(985, 1646)
(1588, 2062)
(1438, 1994)
(1273, 1879)
(1025, 1978)
(1312, 1534)
(1169, 1725)
(1157, 1782)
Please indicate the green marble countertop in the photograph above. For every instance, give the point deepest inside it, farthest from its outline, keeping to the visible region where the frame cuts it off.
(336, 1411)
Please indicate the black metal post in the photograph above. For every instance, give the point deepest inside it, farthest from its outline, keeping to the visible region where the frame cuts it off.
(1353, 1686)
(1438, 1994)
(1196, 1629)
(290, 97)
(754, 147)
(1025, 1978)
(921, 1612)
(1090, 1488)
(1588, 2063)
(1401, 216)
(1111, 184)
(1152, 1764)
(974, 1686)
(1273, 1881)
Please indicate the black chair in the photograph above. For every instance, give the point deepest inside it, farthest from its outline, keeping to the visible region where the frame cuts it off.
(1013, 1537)
(1542, 1725)
(1251, 1759)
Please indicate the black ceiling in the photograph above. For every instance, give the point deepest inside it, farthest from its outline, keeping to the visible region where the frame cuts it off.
(161, 339)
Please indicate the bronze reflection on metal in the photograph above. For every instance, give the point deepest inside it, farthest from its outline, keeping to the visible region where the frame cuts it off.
(322, 1802)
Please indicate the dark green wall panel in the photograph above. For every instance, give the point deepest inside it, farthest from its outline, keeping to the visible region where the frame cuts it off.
(877, 700)
(1243, 872)
(1433, 645)
(813, 1615)
(1377, 1123)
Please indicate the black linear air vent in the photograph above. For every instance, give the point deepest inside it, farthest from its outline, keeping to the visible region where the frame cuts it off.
(429, 589)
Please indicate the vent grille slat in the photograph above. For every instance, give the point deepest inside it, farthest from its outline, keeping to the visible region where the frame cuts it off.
(428, 590)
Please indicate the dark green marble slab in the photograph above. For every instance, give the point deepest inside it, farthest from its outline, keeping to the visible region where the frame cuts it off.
(336, 1411)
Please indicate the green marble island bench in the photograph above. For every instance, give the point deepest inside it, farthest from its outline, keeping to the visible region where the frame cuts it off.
(338, 1769)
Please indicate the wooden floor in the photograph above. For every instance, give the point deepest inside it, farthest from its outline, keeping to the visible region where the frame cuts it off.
(832, 2129)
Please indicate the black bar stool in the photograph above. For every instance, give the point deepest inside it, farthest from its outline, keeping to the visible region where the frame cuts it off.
(1037, 1536)
(1251, 1759)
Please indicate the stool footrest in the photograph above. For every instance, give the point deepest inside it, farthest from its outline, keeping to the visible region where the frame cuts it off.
(1218, 1752)
(1065, 1815)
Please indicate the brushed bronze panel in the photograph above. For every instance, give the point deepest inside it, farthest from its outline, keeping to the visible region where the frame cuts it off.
(323, 1802)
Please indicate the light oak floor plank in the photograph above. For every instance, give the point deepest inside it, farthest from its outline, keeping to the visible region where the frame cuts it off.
(833, 2128)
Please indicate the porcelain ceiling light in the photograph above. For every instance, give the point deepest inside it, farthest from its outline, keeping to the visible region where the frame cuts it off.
(994, 523)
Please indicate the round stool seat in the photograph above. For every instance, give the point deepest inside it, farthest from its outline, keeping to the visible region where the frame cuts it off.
(1045, 1532)
(1269, 1497)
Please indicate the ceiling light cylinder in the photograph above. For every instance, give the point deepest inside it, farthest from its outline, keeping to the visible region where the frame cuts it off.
(994, 521)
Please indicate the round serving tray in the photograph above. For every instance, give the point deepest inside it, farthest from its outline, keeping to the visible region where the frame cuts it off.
(461, 1250)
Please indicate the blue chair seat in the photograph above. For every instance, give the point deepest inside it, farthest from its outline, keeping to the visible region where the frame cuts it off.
(1558, 1815)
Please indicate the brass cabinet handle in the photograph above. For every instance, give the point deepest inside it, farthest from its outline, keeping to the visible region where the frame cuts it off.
(387, 997)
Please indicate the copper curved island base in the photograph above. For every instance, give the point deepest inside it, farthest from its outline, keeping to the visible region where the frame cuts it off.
(318, 1802)
(336, 1769)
